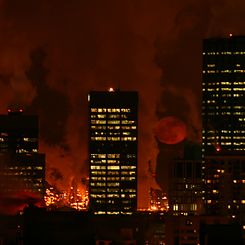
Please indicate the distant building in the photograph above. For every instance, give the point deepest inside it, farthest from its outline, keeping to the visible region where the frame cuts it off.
(225, 186)
(113, 143)
(18, 133)
(185, 189)
(223, 102)
(22, 168)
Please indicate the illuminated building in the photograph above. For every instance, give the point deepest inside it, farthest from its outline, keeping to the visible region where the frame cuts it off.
(22, 168)
(225, 186)
(113, 129)
(185, 191)
(223, 116)
(223, 105)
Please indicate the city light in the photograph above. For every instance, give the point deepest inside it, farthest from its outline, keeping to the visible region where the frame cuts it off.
(73, 198)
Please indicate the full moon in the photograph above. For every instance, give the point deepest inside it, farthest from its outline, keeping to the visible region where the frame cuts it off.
(170, 130)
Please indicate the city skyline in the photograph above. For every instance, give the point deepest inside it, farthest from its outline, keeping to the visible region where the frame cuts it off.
(151, 47)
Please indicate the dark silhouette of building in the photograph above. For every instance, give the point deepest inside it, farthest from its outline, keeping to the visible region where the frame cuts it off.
(113, 130)
(57, 227)
(185, 189)
(22, 168)
(225, 234)
(223, 105)
(18, 132)
(225, 186)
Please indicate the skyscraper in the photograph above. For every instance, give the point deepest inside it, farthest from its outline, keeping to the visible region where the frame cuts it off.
(223, 114)
(22, 168)
(113, 137)
(223, 105)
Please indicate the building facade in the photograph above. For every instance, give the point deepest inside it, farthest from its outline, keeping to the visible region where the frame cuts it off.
(223, 85)
(225, 186)
(223, 114)
(185, 191)
(22, 168)
(113, 142)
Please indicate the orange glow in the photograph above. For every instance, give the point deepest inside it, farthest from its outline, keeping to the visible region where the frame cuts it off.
(74, 198)
(12, 203)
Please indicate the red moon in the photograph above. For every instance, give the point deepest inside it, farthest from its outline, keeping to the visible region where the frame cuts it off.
(170, 130)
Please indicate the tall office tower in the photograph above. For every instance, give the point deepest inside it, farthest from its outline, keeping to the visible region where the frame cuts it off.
(22, 168)
(185, 191)
(223, 105)
(113, 130)
(223, 114)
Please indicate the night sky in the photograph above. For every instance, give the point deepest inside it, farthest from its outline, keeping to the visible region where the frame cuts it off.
(54, 52)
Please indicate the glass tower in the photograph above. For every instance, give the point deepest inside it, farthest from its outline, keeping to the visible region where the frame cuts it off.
(223, 104)
(113, 136)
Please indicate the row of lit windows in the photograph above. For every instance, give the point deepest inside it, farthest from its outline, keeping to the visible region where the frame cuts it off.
(26, 168)
(104, 190)
(223, 71)
(224, 53)
(93, 121)
(25, 151)
(110, 155)
(112, 172)
(224, 95)
(185, 207)
(211, 83)
(111, 195)
(123, 163)
(98, 161)
(112, 133)
(110, 110)
(111, 116)
(115, 177)
(24, 139)
(112, 213)
(225, 89)
(99, 178)
(103, 162)
(117, 127)
(109, 138)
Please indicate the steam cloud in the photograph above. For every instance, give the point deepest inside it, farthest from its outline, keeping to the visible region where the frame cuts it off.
(54, 52)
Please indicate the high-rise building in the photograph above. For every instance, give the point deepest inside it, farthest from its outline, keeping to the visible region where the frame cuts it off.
(223, 114)
(113, 137)
(22, 168)
(223, 85)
